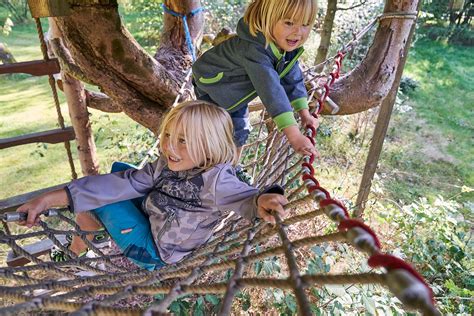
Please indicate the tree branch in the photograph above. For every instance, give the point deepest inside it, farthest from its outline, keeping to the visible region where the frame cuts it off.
(353, 7)
(101, 102)
(66, 62)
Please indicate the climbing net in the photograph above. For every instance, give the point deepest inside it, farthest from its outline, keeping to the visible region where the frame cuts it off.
(109, 284)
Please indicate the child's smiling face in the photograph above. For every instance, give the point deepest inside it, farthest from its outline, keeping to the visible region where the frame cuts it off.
(178, 158)
(290, 35)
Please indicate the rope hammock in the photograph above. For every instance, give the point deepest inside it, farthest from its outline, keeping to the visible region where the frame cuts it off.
(109, 283)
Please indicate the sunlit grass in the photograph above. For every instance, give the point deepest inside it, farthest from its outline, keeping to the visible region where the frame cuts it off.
(431, 147)
(27, 106)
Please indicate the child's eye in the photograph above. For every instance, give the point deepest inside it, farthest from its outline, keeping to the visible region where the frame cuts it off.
(289, 23)
(167, 135)
(182, 141)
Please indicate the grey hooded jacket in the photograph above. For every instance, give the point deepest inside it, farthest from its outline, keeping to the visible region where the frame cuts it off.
(183, 207)
(234, 72)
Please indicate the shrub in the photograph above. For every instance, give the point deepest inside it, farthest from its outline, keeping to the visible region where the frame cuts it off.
(463, 35)
(408, 85)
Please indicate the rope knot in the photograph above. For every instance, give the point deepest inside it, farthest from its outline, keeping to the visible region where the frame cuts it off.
(187, 34)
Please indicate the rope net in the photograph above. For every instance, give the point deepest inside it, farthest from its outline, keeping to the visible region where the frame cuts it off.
(108, 284)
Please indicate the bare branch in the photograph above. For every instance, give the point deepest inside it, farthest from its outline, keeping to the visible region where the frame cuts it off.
(101, 102)
(66, 61)
(353, 7)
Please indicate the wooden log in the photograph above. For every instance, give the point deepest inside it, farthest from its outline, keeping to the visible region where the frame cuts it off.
(51, 137)
(34, 68)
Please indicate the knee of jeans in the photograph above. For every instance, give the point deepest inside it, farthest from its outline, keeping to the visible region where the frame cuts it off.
(121, 166)
(141, 254)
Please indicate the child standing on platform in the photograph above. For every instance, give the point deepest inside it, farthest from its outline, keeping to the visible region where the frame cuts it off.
(262, 60)
(161, 213)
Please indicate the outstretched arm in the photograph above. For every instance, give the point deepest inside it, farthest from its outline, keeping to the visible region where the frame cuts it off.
(43, 202)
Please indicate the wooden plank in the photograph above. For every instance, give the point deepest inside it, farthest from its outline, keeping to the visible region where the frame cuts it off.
(36, 249)
(51, 137)
(34, 68)
(12, 203)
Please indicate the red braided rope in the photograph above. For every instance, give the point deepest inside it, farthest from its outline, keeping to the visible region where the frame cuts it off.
(377, 259)
(390, 262)
(351, 223)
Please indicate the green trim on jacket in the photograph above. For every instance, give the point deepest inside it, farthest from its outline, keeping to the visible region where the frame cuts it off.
(284, 120)
(300, 104)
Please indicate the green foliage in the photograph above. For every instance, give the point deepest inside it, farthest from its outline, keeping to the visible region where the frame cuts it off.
(284, 302)
(145, 20)
(462, 35)
(194, 305)
(7, 26)
(345, 26)
(220, 14)
(132, 145)
(270, 266)
(408, 85)
(440, 21)
(17, 10)
(435, 10)
(244, 300)
(435, 237)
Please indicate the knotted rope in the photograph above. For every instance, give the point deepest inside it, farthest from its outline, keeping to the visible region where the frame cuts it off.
(187, 34)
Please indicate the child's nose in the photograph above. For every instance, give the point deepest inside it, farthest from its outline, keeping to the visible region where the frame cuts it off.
(299, 30)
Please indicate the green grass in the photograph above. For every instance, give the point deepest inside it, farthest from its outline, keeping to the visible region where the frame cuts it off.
(27, 106)
(430, 148)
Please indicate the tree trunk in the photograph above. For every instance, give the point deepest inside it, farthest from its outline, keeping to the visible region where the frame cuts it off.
(326, 33)
(76, 100)
(144, 87)
(110, 57)
(370, 81)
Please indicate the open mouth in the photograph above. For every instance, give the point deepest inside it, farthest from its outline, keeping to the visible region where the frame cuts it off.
(174, 159)
(292, 42)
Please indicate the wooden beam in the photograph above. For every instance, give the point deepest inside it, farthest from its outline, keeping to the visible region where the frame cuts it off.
(51, 137)
(36, 249)
(34, 68)
(12, 203)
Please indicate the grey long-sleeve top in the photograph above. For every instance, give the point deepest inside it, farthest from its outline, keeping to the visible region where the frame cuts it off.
(183, 207)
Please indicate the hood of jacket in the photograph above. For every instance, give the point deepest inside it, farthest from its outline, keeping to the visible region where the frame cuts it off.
(243, 31)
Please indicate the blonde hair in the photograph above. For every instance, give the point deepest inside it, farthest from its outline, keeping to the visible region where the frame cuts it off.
(207, 130)
(262, 15)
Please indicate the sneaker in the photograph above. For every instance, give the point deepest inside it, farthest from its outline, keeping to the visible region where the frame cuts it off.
(57, 255)
(243, 175)
(99, 240)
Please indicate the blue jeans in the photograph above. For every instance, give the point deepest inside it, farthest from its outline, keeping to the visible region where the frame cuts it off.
(241, 121)
(130, 228)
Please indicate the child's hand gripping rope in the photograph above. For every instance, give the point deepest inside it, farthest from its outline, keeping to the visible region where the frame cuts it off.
(271, 202)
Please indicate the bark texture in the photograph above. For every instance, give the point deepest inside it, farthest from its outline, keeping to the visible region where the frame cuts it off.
(326, 32)
(141, 86)
(144, 87)
(370, 82)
